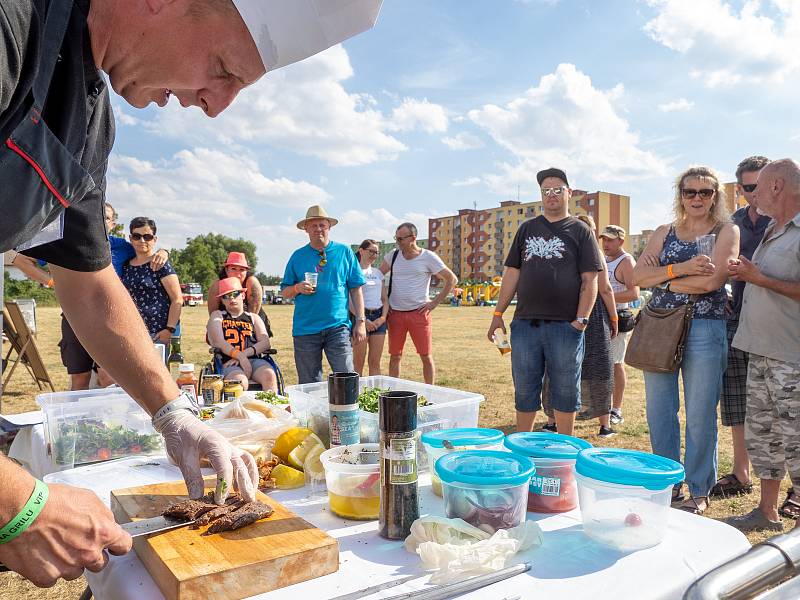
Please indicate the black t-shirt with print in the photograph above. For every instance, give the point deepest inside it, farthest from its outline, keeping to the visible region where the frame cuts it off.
(550, 258)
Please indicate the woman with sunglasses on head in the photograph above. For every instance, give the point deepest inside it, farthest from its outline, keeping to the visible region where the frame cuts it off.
(157, 294)
(241, 337)
(236, 266)
(376, 309)
(673, 266)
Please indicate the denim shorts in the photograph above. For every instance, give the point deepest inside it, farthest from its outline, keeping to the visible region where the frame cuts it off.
(371, 316)
(552, 347)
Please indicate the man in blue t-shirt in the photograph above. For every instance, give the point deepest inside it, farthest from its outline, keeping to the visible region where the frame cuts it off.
(321, 277)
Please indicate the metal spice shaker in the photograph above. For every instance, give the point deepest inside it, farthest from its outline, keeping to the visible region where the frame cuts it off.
(345, 426)
(399, 502)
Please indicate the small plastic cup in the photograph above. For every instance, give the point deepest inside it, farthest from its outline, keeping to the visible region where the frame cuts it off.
(501, 341)
(311, 279)
(353, 487)
(705, 244)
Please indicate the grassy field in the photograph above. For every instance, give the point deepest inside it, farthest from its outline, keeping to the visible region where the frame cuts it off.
(464, 358)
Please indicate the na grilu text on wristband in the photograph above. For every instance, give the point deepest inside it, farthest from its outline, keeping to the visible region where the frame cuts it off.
(33, 507)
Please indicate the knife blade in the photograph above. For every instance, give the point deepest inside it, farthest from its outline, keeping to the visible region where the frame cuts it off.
(142, 527)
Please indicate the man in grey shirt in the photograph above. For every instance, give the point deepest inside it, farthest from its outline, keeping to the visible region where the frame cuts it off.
(769, 330)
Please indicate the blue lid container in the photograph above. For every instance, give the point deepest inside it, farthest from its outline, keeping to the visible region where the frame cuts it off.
(629, 467)
(545, 444)
(485, 468)
(462, 436)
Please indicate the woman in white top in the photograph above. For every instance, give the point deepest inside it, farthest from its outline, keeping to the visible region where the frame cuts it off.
(376, 310)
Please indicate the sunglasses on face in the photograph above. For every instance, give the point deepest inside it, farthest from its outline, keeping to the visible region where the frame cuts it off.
(232, 295)
(400, 238)
(749, 187)
(690, 193)
(323, 258)
(554, 191)
(147, 237)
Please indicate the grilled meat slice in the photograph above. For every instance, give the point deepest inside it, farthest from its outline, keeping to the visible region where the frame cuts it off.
(189, 510)
(231, 504)
(246, 514)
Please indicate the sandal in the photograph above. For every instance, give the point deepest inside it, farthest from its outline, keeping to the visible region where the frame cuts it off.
(729, 485)
(790, 507)
(693, 505)
(677, 494)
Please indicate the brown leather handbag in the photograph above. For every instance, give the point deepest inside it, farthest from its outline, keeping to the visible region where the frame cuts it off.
(659, 338)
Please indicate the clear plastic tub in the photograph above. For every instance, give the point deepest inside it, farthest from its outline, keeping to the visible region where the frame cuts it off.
(486, 488)
(553, 489)
(444, 441)
(448, 407)
(91, 426)
(354, 489)
(625, 496)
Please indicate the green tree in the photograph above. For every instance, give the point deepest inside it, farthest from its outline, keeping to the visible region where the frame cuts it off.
(203, 256)
(269, 279)
(25, 288)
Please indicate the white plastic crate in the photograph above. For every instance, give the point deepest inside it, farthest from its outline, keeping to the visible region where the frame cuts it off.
(449, 407)
(89, 426)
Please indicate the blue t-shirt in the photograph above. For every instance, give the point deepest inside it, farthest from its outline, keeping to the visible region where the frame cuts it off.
(327, 307)
(148, 293)
(121, 252)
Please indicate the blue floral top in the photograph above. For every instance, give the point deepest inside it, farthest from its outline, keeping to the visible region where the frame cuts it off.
(148, 293)
(708, 306)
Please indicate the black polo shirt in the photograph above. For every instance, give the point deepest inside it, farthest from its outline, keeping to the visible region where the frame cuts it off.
(77, 111)
(750, 235)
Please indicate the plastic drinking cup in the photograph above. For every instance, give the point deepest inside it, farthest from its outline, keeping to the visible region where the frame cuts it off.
(311, 279)
(705, 245)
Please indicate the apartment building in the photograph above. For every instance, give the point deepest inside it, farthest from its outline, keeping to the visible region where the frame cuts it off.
(474, 243)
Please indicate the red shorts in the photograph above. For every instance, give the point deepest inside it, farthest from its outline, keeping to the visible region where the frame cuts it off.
(419, 325)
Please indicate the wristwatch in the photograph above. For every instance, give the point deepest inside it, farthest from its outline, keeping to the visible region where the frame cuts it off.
(582, 320)
(360, 319)
(170, 329)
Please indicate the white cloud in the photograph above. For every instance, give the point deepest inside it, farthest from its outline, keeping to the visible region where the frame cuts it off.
(378, 223)
(305, 109)
(466, 182)
(565, 121)
(679, 105)
(413, 114)
(463, 141)
(758, 43)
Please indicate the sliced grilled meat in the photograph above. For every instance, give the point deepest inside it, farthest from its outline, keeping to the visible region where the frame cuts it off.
(246, 514)
(189, 510)
(231, 504)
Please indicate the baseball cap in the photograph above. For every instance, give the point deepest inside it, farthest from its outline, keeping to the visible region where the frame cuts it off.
(613, 232)
(551, 172)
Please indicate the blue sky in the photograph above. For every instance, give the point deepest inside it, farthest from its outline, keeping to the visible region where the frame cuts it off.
(449, 102)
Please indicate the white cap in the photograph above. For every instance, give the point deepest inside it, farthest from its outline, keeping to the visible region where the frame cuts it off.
(287, 31)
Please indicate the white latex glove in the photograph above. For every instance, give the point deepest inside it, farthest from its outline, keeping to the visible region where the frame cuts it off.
(188, 439)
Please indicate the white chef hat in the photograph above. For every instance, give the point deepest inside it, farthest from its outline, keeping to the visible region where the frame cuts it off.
(287, 31)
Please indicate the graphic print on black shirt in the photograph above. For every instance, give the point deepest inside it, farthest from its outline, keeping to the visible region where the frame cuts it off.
(238, 331)
(551, 258)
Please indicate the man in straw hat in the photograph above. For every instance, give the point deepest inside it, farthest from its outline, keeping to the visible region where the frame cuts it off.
(322, 277)
(57, 126)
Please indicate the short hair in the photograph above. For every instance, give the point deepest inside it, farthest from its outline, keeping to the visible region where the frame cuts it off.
(410, 226)
(749, 165)
(719, 210)
(138, 222)
(589, 221)
(114, 213)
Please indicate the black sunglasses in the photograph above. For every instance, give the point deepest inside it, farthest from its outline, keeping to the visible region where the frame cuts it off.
(147, 237)
(749, 187)
(690, 193)
(232, 295)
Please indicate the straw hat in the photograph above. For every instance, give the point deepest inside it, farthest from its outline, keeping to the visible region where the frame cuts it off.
(228, 285)
(236, 259)
(316, 212)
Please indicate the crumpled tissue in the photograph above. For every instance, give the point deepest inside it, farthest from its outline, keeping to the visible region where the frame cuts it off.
(455, 549)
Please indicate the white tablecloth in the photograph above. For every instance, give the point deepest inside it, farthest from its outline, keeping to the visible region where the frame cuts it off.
(568, 565)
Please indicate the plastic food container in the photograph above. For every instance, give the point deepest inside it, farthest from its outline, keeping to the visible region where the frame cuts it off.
(486, 488)
(90, 426)
(448, 407)
(444, 441)
(625, 496)
(553, 489)
(354, 488)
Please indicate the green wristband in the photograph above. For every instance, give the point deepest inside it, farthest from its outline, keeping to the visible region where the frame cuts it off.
(27, 515)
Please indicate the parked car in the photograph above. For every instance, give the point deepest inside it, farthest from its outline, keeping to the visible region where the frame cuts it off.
(192, 294)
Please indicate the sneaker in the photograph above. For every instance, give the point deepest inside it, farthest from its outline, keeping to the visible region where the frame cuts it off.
(548, 427)
(616, 417)
(606, 432)
(755, 520)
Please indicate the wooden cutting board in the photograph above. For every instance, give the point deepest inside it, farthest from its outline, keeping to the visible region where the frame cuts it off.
(269, 554)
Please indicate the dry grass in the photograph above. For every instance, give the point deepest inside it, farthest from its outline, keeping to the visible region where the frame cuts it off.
(464, 358)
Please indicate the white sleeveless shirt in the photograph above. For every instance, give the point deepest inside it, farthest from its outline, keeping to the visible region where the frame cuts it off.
(616, 284)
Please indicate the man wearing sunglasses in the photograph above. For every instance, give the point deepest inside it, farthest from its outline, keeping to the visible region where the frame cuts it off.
(552, 267)
(57, 129)
(322, 277)
(732, 404)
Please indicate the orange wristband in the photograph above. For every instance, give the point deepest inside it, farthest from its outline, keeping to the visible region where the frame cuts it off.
(50, 283)
(497, 313)
(235, 353)
(613, 318)
(670, 272)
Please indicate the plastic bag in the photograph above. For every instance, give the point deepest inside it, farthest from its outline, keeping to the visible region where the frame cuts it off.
(443, 531)
(251, 430)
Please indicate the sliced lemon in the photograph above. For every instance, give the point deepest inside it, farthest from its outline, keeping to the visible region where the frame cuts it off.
(289, 440)
(297, 456)
(313, 465)
(287, 478)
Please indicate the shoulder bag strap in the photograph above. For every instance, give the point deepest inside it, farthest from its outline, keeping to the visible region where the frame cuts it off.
(391, 267)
